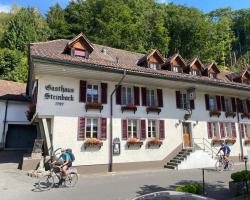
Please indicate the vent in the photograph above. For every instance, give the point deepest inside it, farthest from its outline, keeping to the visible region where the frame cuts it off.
(104, 51)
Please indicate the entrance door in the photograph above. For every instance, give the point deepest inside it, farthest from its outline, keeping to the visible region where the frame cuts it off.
(187, 134)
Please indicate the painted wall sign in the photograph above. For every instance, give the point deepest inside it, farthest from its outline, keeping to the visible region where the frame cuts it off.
(63, 96)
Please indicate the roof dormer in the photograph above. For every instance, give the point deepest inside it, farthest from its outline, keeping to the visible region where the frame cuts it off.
(194, 67)
(151, 60)
(79, 46)
(175, 63)
(211, 71)
(240, 77)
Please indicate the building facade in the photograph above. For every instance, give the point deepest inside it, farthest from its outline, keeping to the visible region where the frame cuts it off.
(122, 110)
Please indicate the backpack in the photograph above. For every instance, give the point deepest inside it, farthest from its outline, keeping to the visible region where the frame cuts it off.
(72, 156)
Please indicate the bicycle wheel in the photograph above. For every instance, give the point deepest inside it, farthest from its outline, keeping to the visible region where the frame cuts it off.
(46, 182)
(219, 166)
(230, 165)
(71, 179)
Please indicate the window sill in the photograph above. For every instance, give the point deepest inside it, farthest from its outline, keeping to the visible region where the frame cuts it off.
(245, 115)
(129, 108)
(230, 114)
(153, 109)
(230, 140)
(93, 106)
(216, 141)
(247, 141)
(93, 143)
(215, 113)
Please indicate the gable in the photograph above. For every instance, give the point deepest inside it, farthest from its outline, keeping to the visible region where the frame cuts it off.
(196, 65)
(178, 62)
(155, 58)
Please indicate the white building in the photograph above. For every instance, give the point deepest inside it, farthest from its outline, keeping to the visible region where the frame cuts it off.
(155, 114)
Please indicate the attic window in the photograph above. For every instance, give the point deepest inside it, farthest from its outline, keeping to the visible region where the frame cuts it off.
(212, 75)
(81, 53)
(152, 65)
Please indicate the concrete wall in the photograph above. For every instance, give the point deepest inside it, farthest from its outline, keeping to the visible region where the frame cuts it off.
(65, 123)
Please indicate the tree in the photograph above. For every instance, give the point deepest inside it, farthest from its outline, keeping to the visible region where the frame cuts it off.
(26, 26)
(57, 22)
(13, 65)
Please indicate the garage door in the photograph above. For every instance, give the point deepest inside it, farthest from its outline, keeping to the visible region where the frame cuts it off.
(20, 136)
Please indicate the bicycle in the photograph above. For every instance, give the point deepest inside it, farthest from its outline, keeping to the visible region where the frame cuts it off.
(221, 164)
(48, 181)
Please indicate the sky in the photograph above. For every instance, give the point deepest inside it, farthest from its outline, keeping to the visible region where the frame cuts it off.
(204, 5)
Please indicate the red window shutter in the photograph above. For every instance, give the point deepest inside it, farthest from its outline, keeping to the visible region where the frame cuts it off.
(143, 129)
(222, 132)
(209, 130)
(103, 129)
(159, 97)
(144, 96)
(104, 91)
(178, 99)
(124, 129)
(223, 107)
(248, 105)
(191, 102)
(233, 104)
(119, 95)
(207, 101)
(81, 128)
(83, 88)
(233, 129)
(218, 102)
(241, 130)
(161, 129)
(137, 96)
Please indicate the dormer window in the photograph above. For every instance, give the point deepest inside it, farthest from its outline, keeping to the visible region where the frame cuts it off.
(175, 69)
(152, 65)
(194, 72)
(246, 81)
(151, 60)
(80, 53)
(212, 75)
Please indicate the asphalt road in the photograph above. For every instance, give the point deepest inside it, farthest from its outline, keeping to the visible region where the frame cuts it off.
(15, 184)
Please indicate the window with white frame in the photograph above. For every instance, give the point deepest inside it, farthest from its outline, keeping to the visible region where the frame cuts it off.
(175, 69)
(127, 97)
(212, 103)
(212, 75)
(152, 128)
(228, 104)
(132, 128)
(152, 65)
(151, 97)
(228, 129)
(183, 100)
(92, 93)
(215, 129)
(194, 72)
(92, 128)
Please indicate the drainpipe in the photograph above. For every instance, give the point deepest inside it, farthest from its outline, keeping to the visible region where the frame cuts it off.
(110, 168)
(4, 122)
(240, 136)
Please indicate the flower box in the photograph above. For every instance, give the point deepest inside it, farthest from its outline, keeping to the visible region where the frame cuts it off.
(230, 114)
(30, 112)
(216, 113)
(129, 107)
(230, 140)
(134, 142)
(93, 106)
(217, 140)
(154, 142)
(245, 115)
(247, 141)
(93, 142)
(153, 109)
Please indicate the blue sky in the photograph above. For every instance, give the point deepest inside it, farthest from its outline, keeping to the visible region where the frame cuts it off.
(204, 5)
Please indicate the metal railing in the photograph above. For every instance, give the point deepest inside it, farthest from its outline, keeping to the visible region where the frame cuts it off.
(205, 145)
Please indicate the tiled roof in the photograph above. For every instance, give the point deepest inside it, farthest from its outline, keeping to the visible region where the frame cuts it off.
(114, 59)
(10, 90)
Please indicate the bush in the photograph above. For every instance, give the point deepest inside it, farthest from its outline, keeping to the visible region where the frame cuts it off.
(241, 176)
(194, 188)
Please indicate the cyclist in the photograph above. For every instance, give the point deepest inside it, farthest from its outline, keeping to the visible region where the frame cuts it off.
(226, 151)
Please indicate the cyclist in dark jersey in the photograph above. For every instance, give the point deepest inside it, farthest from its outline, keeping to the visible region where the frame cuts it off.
(226, 151)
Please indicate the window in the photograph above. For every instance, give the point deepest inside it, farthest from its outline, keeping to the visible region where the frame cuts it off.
(132, 128)
(92, 128)
(151, 97)
(215, 129)
(228, 105)
(175, 69)
(151, 128)
(195, 72)
(92, 93)
(212, 75)
(245, 81)
(247, 130)
(183, 101)
(228, 129)
(81, 53)
(127, 97)
(152, 65)
(212, 103)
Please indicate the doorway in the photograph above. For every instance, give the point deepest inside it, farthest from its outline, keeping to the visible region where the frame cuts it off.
(187, 134)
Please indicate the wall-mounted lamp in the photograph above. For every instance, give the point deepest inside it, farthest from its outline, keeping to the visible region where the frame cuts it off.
(177, 123)
(195, 124)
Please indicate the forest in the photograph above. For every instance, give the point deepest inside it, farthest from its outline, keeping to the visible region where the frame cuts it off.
(221, 36)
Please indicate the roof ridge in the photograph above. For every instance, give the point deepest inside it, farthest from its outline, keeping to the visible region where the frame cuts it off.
(50, 41)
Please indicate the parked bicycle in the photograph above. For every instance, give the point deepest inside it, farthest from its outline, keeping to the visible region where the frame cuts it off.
(54, 177)
(221, 164)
